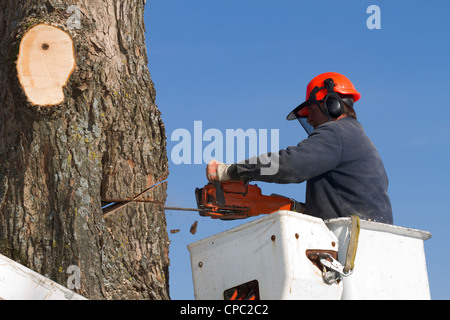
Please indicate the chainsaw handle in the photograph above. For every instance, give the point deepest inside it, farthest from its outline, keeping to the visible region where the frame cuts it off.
(246, 187)
(220, 196)
(295, 205)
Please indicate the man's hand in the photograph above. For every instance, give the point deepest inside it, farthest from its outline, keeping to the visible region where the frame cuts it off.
(217, 171)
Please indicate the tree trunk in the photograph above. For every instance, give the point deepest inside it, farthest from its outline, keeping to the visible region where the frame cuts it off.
(104, 139)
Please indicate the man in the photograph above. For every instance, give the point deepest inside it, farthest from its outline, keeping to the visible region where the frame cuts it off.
(342, 167)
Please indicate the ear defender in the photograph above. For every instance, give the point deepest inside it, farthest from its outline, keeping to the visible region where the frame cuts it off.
(332, 101)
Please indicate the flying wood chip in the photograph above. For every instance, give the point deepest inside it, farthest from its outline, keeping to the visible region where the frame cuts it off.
(46, 61)
(193, 229)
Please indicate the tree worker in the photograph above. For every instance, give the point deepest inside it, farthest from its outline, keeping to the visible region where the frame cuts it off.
(343, 170)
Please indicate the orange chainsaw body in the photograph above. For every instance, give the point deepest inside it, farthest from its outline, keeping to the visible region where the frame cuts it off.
(237, 200)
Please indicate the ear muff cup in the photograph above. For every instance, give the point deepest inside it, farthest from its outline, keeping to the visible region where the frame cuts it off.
(332, 101)
(334, 106)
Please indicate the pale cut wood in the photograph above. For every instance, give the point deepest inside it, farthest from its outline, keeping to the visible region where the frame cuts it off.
(46, 61)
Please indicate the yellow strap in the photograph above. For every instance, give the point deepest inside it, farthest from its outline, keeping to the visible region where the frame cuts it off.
(352, 244)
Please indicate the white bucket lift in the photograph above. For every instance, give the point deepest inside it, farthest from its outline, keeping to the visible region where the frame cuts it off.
(390, 261)
(17, 282)
(278, 257)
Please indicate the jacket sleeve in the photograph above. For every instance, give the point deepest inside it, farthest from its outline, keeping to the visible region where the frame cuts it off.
(321, 152)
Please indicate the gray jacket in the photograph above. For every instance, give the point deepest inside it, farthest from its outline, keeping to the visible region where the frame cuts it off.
(343, 170)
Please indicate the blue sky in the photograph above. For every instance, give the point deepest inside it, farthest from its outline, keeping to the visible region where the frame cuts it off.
(245, 64)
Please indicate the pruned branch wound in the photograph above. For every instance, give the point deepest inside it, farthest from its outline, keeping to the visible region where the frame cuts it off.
(46, 61)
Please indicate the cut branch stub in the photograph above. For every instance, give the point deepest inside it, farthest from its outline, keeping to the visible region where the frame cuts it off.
(46, 61)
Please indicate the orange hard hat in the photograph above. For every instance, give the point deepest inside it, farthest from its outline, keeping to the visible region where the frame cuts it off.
(342, 86)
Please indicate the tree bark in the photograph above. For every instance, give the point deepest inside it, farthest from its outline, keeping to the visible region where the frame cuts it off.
(106, 140)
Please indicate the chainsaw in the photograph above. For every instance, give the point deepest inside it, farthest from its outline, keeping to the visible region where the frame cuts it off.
(237, 200)
(219, 200)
